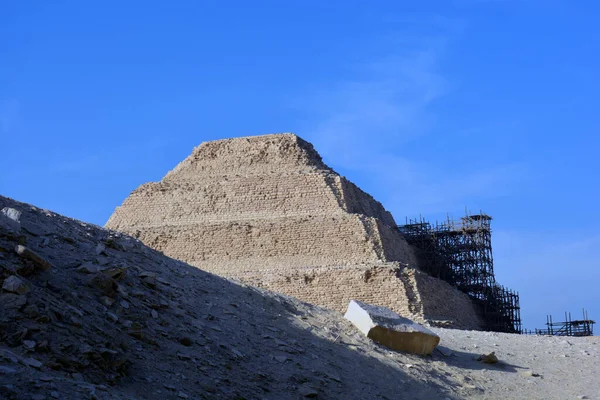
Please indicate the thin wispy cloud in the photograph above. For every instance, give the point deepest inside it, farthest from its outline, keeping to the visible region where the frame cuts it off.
(364, 124)
(387, 107)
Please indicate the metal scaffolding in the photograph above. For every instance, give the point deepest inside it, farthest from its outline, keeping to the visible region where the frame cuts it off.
(570, 327)
(460, 252)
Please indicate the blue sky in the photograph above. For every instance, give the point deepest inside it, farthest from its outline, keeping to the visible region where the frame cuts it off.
(431, 107)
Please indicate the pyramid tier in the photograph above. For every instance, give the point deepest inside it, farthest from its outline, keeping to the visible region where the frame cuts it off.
(285, 243)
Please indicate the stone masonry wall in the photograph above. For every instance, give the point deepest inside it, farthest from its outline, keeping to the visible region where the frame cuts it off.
(405, 290)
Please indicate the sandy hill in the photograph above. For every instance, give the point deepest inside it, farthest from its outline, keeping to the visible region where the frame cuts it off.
(101, 316)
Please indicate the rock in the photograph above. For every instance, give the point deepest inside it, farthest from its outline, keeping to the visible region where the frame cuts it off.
(16, 285)
(308, 391)
(30, 255)
(29, 344)
(488, 358)
(115, 273)
(32, 362)
(17, 337)
(182, 395)
(107, 301)
(149, 281)
(9, 220)
(237, 353)
(100, 249)
(106, 284)
(26, 269)
(11, 213)
(102, 260)
(186, 341)
(77, 376)
(7, 370)
(444, 351)
(147, 274)
(54, 394)
(112, 317)
(136, 331)
(88, 268)
(10, 301)
(384, 326)
(9, 355)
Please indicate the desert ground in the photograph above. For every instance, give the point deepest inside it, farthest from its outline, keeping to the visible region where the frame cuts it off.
(89, 313)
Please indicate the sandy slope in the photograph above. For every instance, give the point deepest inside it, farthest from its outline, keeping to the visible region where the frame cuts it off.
(136, 324)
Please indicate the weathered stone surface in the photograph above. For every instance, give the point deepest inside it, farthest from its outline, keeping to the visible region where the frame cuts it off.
(14, 284)
(391, 330)
(9, 220)
(38, 260)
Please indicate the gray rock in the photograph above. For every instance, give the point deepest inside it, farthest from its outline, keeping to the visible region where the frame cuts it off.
(308, 391)
(32, 362)
(446, 352)
(100, 249)
(4, 370)
(10, 301)
(29, 344)
(16, 285)
(386, 327)
(9, 220)
(88, 268)
(28, 254)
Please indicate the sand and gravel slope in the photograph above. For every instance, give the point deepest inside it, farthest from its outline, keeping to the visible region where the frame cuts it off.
(113, 319)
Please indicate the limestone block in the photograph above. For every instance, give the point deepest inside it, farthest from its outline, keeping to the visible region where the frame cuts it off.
(9, 220)
(391, 330)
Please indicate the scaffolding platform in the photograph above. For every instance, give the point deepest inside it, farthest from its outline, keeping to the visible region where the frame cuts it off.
(570, 327)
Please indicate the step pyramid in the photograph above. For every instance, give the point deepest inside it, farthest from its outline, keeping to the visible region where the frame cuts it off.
(267, 210)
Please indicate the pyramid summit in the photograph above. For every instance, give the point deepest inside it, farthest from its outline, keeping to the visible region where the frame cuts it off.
(251, 155)
(267, 210)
